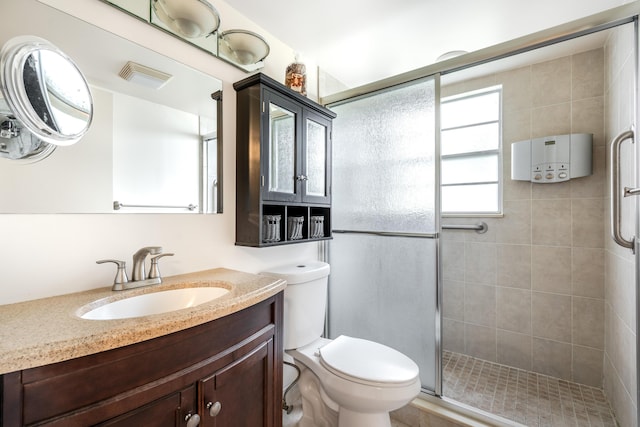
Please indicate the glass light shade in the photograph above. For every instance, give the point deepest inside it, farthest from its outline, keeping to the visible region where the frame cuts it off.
(188, 18)
(243, 47)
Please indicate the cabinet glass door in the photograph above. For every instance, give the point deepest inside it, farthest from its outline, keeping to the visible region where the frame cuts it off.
(281, 172)
(316, 155)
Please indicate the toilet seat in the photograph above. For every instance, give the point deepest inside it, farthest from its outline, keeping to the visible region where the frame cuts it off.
(367, 362)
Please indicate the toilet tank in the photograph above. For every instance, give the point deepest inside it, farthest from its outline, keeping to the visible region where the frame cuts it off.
(305, 301)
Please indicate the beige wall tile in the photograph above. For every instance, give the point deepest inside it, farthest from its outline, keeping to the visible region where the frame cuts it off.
(587, 366)
(517, 93)
(480, 305)
(551, 222)
(480, 342)
(560, 190)
(588, 322)
(551, 120)
(587, 116)
(512, 189)
(481, 263)
(453, 300)
(551, 81)
(515, 226)
(551, 269)
(551, 316)
(587, 74)
(514, 349)
(452, 260)
(587, 222)
(516, 126)
(453, 335)
(551, 358)
(592, 186)
(587, 272)
(514, 266)
(514, 310)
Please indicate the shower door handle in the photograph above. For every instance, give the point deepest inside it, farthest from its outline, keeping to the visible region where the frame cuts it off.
(615, 190)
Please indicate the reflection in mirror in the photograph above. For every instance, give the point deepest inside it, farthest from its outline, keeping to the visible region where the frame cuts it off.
(197, 22)
(142, 141)
(282, 149)
(45, 95)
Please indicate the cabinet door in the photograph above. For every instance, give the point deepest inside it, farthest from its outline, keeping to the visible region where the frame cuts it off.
(316, 159)
(170, 411)
(241, 394)
(281, 155)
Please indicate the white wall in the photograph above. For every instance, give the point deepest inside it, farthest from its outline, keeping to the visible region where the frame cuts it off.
(45, 255)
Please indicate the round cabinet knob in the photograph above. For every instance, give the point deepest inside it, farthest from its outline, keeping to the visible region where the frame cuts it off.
(193, 420)
(214, 408)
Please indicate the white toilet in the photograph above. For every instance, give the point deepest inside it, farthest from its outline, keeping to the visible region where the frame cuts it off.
(346, 382)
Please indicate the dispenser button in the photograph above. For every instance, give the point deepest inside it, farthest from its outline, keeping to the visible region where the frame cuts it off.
(537, 177)
(562, 175)
(549, 176)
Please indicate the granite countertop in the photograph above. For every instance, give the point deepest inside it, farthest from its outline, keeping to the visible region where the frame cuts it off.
(49, 330)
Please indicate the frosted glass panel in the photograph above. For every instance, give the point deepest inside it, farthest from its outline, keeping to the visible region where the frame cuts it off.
(282, 150)
(384, 164)
(474, 198)
(470, 139)
(460, 170)
(316, 158)
(478, 109)
(384, 289)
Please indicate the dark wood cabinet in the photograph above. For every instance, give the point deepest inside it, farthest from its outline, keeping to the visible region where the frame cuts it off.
(234, 361)
(283, 165)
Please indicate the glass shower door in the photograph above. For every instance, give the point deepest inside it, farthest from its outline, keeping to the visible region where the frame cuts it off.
(384, 282)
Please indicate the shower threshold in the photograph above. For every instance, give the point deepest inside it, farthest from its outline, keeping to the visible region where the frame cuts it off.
(525, 397)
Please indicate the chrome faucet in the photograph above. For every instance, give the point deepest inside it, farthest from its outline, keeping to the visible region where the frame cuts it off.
(139, 258)
(139, 277)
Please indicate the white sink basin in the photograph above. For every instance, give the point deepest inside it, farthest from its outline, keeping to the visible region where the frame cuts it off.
(155, 303)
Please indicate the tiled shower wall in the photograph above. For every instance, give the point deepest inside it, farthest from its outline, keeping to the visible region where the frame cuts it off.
(620, 318)
(530, 292)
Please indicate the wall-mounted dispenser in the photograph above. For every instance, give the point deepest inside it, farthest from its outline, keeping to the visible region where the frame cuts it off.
(552, 158)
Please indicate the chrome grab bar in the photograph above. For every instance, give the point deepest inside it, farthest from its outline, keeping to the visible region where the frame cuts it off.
(480, 227)
(615, 190)
(117, 205)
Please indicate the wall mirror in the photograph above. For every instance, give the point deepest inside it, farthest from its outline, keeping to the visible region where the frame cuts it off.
(197, 22)
(153, 145)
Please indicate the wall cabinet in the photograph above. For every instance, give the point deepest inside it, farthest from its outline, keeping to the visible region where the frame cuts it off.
(283, 165)
(227, 372)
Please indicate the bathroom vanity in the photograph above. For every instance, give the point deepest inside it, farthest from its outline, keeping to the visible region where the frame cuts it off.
(216, 364)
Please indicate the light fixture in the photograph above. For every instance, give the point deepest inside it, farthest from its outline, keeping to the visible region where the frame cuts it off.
(188, 18)
(144, 76)
(450, 54)
(243, 47)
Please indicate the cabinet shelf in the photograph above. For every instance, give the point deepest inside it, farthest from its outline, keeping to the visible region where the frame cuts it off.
(283, 165)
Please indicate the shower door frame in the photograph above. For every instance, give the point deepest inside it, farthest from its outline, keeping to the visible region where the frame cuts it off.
(625, 14)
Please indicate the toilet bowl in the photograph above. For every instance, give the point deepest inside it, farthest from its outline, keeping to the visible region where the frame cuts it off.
(345, 382)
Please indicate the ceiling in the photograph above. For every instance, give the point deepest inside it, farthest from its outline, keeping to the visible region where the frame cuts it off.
(362, 41)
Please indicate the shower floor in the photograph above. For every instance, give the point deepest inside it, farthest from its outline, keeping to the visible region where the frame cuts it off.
(522, 396)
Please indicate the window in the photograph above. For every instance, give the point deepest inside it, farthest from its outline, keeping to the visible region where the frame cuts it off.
(470, 153)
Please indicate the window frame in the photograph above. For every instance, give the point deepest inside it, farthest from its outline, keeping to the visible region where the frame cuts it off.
(499, 151)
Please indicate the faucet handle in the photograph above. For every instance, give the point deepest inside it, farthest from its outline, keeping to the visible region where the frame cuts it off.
(121, 274)
(154, 271)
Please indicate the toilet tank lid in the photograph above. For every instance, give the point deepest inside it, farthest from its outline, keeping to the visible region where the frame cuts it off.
(300, 272)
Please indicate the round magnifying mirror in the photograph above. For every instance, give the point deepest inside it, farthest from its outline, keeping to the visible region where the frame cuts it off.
(45, 90)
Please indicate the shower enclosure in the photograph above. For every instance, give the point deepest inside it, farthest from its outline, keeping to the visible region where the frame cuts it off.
(544, 298)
